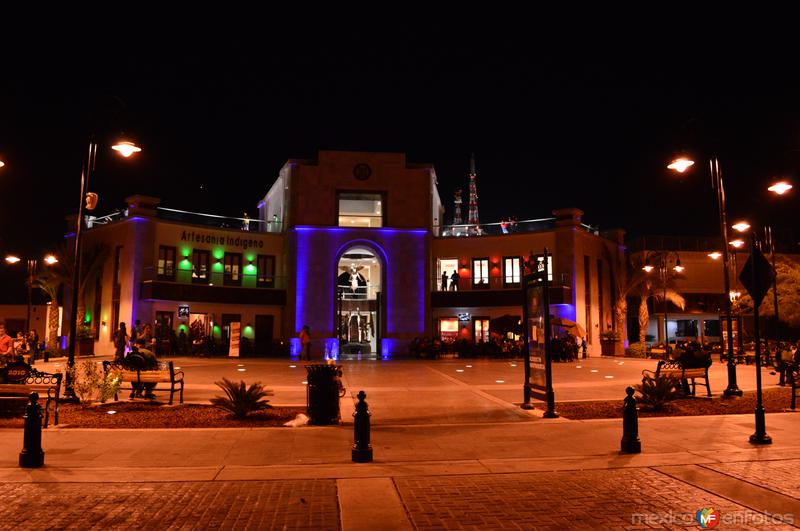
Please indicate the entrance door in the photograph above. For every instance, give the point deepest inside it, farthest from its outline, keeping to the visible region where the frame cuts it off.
(358, 302)
(263, 346)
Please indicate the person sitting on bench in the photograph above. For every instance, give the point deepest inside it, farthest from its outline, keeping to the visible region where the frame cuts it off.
(150, 362)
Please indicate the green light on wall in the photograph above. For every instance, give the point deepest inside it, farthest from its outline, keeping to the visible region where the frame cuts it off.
(219, 254)
(217, 267)
(247, 332)
(182, 327)
(249, 269)
(87, 318)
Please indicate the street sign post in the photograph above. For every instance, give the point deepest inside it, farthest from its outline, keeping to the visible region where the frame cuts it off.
(536, 334)
(756, 277)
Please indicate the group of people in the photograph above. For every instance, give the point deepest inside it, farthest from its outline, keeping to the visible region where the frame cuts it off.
(141, 343)
(454, 278)
(508, 225)
(15, 348)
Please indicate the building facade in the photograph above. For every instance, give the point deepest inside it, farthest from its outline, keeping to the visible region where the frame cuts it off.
(353, 245)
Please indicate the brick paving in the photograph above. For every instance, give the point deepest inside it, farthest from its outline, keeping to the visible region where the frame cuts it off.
(781, 476)
(284, 504)
(596, 499)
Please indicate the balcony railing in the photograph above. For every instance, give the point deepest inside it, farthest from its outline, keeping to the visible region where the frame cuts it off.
(503, 227)
(185, 277)
(194, 218)
(490, 283)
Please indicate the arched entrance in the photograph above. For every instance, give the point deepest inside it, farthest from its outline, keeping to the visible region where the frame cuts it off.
(358, 302)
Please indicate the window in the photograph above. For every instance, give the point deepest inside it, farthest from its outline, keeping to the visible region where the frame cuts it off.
(166, 263)
(445, 267)
(360, 210)
(448, 328)
(480, 272)
(511, 271)
(540, 258)
(266, 271)
(481, 332)
(233, 269)
(712, 328)
(200, 267)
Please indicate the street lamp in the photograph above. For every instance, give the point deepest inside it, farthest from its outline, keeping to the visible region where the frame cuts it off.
(32, 263)
(719, 187)
(663, 271)
(780, 187)
(87, 202)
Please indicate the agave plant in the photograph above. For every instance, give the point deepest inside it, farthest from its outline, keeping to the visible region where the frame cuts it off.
(240, 399)
(657, 392)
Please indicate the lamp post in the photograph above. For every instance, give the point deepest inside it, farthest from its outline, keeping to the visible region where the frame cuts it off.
(88, 201)
(681, 165)
(32, 265)
(779, 188)
(663, 272)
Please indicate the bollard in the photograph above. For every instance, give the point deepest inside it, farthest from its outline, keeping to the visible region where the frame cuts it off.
(630, 425)
(32, 455)
(362, 450)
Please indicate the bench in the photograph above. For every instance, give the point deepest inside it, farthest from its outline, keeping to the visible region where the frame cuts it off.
(19, 380)
(676, 369)
(134, 373)
(793, 375)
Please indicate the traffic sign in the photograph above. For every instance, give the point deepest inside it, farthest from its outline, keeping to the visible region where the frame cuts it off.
(757, 275)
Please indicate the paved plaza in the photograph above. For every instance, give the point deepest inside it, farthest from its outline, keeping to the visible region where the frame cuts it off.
(452, 451)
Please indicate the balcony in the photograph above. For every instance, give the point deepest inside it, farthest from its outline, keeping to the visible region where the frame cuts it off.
(493, 293)
(177, 291)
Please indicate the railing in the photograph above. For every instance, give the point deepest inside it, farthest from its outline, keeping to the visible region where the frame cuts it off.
(360, 293)
(490, 283)
(215, 279)
(214, 220)
(503, 227)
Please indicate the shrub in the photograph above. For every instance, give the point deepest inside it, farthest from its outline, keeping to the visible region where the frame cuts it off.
(657, 392)
(240, 399)
(636, 350)
(89, 382)
(610, 335)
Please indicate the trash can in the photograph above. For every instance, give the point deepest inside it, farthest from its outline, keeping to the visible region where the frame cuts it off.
(322, 393)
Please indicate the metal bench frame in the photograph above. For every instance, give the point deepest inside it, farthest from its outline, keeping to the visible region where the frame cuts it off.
(676, 369)
(166, 374)
(39, 381)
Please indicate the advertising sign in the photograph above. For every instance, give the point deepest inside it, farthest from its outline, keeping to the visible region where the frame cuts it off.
(236, 329)
(183, 312)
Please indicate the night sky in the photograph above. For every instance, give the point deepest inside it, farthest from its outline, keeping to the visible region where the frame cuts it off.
(556, 115)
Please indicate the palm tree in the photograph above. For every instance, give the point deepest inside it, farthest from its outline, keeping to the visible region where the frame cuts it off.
(647, 290)
(50, 283)
(60, 275)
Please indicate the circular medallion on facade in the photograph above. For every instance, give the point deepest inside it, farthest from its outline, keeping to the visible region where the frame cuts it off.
(362, 171)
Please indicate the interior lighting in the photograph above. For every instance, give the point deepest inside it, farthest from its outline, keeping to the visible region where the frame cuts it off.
(681, 164)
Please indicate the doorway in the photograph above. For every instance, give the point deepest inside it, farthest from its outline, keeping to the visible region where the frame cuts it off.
(263, 337)
(358, 303)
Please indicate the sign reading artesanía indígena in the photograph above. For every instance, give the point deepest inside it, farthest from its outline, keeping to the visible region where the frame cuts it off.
(214, 239)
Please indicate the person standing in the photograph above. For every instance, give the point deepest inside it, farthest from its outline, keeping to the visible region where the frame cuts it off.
(137, 331)
(305, 343)
(33, 344)
(444, 281)
(454, 278)
(246, 222)
(120, 342)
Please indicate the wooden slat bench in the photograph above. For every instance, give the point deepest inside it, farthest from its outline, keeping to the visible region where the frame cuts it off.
(677, 370)
(165, 373)
(19, 380)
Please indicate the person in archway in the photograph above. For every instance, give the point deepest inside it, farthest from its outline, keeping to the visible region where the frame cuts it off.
(305, 343)
(454, 278)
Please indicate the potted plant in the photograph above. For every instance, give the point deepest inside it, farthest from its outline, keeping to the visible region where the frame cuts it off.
(85, 341)
(611, 343)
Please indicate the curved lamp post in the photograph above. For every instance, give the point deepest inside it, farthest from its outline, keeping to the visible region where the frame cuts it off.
(661, 259)
(87, 202)
(681, 165)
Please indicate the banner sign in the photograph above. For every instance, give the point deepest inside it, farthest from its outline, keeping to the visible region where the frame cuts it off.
(235, 335)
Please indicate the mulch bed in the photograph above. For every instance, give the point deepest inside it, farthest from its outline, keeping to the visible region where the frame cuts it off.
(144, 415)
(775, 400)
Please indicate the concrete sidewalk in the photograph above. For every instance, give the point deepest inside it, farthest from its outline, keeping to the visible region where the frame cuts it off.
(553, 473)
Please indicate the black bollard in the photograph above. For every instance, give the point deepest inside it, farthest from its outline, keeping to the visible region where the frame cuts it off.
(32, 455)
(362, 450)
(630, 425)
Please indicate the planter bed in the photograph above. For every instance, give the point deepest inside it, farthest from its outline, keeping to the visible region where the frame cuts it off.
(145, 415)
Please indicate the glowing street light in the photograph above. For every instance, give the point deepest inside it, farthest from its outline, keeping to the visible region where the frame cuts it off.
(741, 226)
(50, 259)
(681, 164)
(647, 268)
(2, 163)
(734, 295)
(678, 267)
(780, 188)
(737, 243)
(715, 255)
(11, 259)
(126, 149)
